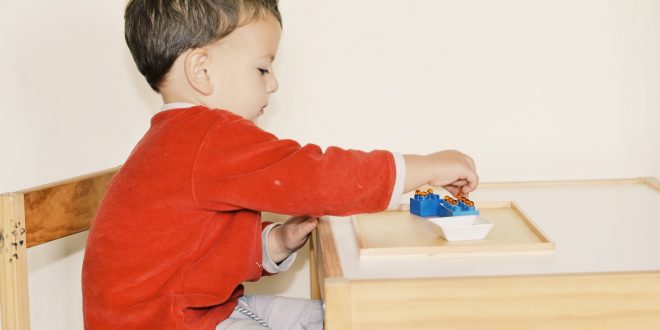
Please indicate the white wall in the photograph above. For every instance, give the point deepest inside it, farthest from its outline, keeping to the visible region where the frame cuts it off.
(533, 90)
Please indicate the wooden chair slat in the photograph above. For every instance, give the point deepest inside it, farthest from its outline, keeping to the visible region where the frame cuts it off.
(65, 208)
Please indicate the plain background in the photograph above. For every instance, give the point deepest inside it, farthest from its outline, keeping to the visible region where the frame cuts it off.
(533, 90)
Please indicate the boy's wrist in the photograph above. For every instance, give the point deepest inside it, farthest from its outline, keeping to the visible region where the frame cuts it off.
(418, 171)
(399, 181)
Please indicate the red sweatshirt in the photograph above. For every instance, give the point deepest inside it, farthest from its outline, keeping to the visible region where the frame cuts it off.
(179, 229)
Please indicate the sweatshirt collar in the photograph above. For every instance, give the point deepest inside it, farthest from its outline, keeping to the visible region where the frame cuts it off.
(176, 105)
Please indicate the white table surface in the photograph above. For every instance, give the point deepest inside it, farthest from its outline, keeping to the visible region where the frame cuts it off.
(595, 228)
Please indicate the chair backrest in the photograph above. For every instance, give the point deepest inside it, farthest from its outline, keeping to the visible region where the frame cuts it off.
(35, 216)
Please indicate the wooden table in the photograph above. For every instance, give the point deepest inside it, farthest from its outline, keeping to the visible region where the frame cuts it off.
(603, 274)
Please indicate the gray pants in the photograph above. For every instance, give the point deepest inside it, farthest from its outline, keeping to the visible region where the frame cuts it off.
(279, 313)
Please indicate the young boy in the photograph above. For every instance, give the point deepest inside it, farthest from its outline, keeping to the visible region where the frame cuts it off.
(179, 229)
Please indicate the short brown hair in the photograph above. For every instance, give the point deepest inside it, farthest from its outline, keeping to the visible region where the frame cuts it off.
(158, 31)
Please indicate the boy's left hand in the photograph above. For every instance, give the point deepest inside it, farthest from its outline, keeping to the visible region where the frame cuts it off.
(290, 236)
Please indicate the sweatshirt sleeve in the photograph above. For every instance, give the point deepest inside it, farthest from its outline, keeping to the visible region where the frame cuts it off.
(240, 166)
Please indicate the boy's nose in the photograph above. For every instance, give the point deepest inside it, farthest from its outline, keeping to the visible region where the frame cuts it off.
(273, 85)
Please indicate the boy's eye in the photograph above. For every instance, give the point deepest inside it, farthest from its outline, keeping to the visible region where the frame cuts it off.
(263, 71)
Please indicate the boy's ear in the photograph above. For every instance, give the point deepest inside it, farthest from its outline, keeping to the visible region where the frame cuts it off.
(197, 69)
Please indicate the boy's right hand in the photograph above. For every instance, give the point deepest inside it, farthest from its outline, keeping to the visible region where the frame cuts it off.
(450, 169)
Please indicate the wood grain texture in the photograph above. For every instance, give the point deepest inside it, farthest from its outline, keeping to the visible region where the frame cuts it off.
(333, 288)
(602, 301)
(330, 262)
(13, 275)
(337, 299)
(399, 234)
(64, 208)
(314, 288)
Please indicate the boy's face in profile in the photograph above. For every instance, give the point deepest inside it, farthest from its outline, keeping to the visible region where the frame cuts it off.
(243, 76)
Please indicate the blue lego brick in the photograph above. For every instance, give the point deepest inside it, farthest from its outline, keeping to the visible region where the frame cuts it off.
(428, 204)
(425, 205)
(446, 209)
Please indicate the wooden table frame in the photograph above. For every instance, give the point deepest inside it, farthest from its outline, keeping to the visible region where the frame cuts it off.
(565, 301)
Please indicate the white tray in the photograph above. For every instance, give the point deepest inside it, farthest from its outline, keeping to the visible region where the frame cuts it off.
(460, 228)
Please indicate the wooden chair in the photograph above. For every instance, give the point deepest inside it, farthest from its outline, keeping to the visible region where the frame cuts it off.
(35, 216)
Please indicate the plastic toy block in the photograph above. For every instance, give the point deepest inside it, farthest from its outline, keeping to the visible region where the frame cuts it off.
(450, 207)
(428, 204)
(425, 203)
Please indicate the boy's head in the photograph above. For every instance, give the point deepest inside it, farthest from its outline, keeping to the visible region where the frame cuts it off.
(217, 53)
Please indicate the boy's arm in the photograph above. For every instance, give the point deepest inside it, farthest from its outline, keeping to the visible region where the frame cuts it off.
(240, 166)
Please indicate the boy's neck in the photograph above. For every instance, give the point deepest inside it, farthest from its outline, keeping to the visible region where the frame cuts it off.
(177, 101)
(176, 105)
(174, 88)
(169, 98)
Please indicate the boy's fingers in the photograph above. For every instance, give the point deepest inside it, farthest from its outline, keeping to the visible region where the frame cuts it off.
(473, 182)
(304, 229)
(310, 224)
(452, 189)
(469, 183)
(459, 183)
(297, 219)
(305, 225)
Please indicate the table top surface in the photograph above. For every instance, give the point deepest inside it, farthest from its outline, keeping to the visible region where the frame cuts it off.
(596, 228)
